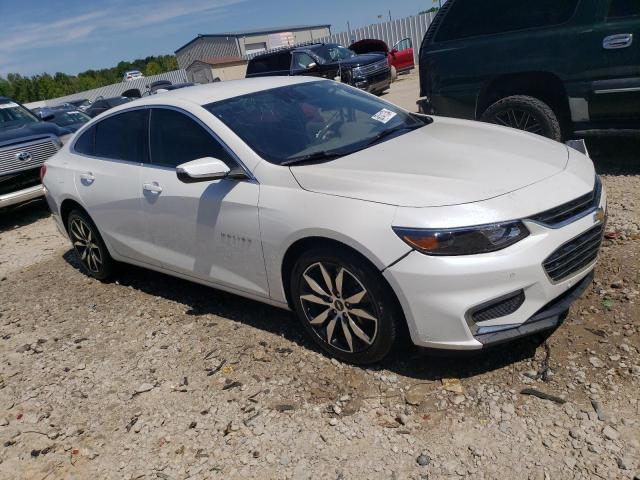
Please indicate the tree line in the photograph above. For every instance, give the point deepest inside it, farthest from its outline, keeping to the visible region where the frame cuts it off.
(42, 87)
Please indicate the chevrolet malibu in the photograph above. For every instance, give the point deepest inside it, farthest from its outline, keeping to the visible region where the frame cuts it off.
(364, 219)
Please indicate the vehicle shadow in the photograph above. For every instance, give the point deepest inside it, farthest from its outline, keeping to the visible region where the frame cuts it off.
(615, 156)
(23, 215)
(407, 360)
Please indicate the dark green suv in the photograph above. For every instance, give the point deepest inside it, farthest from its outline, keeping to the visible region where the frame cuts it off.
(559, 68)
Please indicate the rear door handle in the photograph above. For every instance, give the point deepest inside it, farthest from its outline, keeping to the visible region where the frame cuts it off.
(87, 177)
(621, 40)
(152, 187)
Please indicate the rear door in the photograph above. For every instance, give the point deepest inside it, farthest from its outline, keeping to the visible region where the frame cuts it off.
(106, 169)
(614, 64)
(207, 230)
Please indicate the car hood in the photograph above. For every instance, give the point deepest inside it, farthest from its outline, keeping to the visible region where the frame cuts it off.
(364, 59)
(27, 132)
(447, 162)
(369, 46)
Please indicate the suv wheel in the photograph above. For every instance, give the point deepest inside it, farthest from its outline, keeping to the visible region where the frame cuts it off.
(525, 113)
(344, 305)
(88, 246)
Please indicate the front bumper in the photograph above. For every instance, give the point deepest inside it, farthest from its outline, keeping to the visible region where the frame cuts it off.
(21, 196)
(438, 294)
(375, 83)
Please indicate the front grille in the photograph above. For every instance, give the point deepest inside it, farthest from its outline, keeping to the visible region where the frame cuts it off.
(498, 308)
(17, 181)
(373, 68)
(573, 209)
(574, 255)
(39, 150)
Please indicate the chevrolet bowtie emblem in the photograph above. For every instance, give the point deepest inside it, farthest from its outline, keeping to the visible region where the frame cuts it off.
(600, 215)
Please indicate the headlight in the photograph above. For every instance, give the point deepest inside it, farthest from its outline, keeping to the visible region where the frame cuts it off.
(463, 241)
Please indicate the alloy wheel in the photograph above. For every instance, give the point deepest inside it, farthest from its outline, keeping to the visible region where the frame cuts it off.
(520, 119)
(338, 307)
(86, 246)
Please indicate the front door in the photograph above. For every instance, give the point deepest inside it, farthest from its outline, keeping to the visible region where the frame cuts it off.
(403, 55)
(207, 230)
(614, 60)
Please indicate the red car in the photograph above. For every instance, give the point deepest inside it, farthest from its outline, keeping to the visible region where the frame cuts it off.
(400, 56)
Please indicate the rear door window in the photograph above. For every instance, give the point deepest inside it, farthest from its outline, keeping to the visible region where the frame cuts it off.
(122, 136)
(175, 139)
(624, 8)
(470, 18)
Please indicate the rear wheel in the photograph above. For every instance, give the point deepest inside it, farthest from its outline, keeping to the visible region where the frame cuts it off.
(344, 305)
(525, 113)
(88, 246)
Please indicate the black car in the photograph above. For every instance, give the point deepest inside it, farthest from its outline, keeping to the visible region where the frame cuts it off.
(557, 68)
(70, 118)
(370, 72)
(103, 104)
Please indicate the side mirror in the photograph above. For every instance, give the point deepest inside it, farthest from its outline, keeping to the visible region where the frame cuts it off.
(394, 51)
(312, 66)
(202, 170)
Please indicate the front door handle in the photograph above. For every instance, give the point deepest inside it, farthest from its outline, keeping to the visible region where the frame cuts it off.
(621, 40)
(152, 187)
(87, 177)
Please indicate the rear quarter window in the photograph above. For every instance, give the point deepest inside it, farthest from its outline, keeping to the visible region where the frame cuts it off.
(470, 18)
(86, 142)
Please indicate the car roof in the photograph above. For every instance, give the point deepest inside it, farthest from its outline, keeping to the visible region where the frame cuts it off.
(214, 92)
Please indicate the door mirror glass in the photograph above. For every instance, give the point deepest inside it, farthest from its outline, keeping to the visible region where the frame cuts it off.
(202, 169)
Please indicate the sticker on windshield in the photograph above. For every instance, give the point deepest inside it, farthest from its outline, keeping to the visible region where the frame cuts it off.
(384, 115)
(8, 105)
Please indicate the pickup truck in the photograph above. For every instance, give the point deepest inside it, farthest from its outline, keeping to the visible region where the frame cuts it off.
(25, 143)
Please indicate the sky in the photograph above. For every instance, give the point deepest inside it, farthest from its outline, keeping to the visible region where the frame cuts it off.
(71, 36)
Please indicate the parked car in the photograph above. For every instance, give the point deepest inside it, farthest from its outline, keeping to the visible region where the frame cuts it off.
(174, 86)
(101, 105)
(132, 75)
(559, 69)
(81, 104)
(25, 143)
(70, 119)
(361, 217)
(368, 72)
(400, 57)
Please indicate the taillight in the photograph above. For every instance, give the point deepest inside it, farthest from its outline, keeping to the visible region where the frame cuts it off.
(43, 172)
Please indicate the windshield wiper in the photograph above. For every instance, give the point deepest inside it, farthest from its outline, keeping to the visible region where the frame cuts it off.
(385, 133)
(313, 157)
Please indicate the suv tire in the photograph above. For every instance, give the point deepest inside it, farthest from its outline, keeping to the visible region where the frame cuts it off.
(353, 318)
(525, 113)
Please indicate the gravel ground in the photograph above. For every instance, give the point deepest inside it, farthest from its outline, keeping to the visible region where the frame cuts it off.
(150, 377)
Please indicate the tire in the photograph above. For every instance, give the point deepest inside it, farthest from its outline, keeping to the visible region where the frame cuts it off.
(394, 73)
(360, 331)
(89, 246)
(525, 113)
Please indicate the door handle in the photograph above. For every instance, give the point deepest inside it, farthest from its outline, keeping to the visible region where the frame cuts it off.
(152, 187)
(621, 40)
(87, 177)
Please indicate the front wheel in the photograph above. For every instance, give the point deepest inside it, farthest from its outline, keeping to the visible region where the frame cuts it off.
(88, 246)
(344, 305)
(525, 113)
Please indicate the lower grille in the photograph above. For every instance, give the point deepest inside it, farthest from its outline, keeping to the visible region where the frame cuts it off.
(574, 255)
(37, 152)
(498, 308)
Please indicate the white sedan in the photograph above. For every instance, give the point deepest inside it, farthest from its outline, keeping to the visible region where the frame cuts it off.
(313, 196)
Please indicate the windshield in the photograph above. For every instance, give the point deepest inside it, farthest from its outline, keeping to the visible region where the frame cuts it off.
(332, 53)
(13, 115)
(64, 119)
(320, 119)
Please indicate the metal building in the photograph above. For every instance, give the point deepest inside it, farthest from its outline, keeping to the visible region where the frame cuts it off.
(239, 44)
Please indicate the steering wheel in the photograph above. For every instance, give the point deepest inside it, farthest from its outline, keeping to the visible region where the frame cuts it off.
(329, 130)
